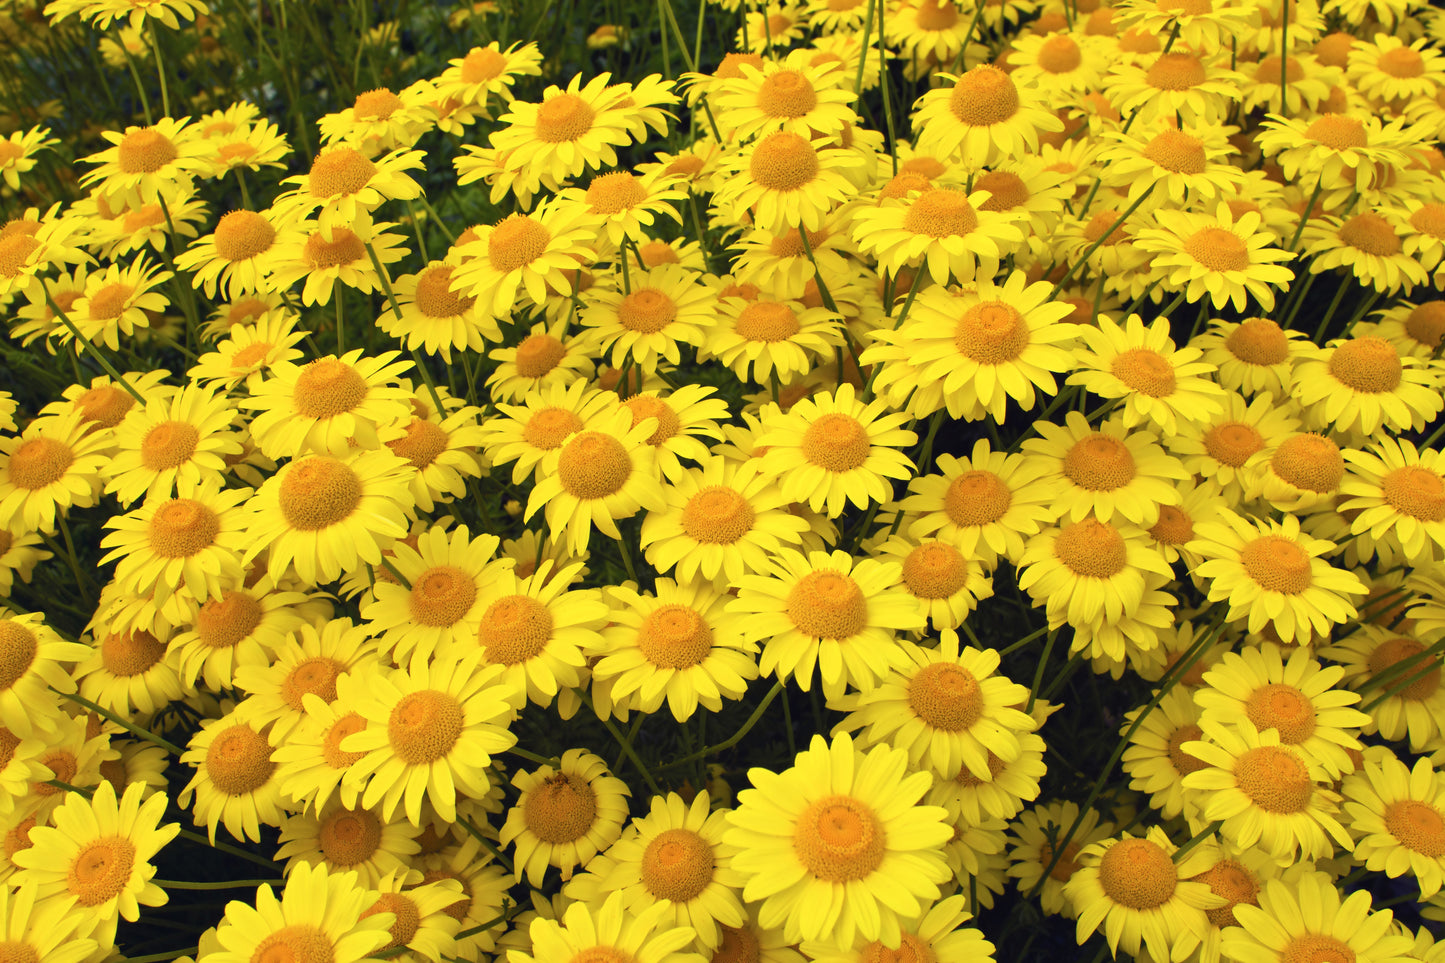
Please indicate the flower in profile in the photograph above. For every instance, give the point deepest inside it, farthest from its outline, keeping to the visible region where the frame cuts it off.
(1363, 384)
(250, 352)
(1229, 259)
(20, 552)
(1398, 492)
(598, 476)
(950, 231)
(1173, 163)
(1271, 573)
(564, 816)
(324, 516)
(543, 358)
(982, 118)
(99, 853)
(1177, 85)
(818, 842)
(17, 153)
(249, 145)
(1338, 151)
(430, 731)
(1198, 26)
(346, 186)
(665, 308)
(328, 405)
(235, 783)
(487, 72)
(1153, 759)
(29, 246)
(832, 611)
(1305, 916)
(834, 449)
(321, 915)
(1370, 245)
(526, 254)
(54, 465)
(147, 163)
(1134, 889)
(378, 120)
(676, 646)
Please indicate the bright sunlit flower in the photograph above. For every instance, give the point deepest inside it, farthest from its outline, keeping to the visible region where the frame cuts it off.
(1363, 384)
(983, 117)
(328, 405)
(1229, 259)
(565, 816)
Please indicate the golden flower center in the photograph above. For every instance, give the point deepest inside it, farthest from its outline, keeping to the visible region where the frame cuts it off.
(110, 302)
(975, 498)
(549, 427)
(1370, 233)
(984, 96)
(1426, 323)
(940, 213)
(1099, 463)
(376, 104)
(1369, 365)
(343, 248)
(827, 605)
(39, 462)
(1395, 650)
(910, 950)
(105, 405)
(1233, 881)
(327, 387)
(1138, 874)
(644, 407)
(783, 161)
(786, 93)
(339, 171)
(513, 629)
(1183, 762)
(935, 570)
(100, 871)
(1316, 948)
(331, 752)
(945, 696)
(423, 442)
(904, 184)
(936, 14)
(561, 808)
(656, 253)
(677, 865)
(674, 637)
(1258, 341)
(126, 654)
(1418, 826)
(239, 760)
(615, 192)
(63, 765)
(424, 726)
(767, 321)
(18, 648)
(482, 65)
(1338, 132)
(243, 234)
(1176, 151)
(435, 297)
(317, 676)
(1415, 491)
(730, 67)
(717, 515)
(318, 492)
(1175, 71)
(222, 623)
(141, 218)
(991, 332)
(297, 943)
(1277, 564)
(1402, 63)
(442, 595)
(565, 117)
(1006, 191)
(1059, 54)
(837, 442)
(1309, 462)
(1275, 779)
(15, 951)
(593, 465)
(515, 242)
(1091, 549)
(538, 354)
(839, 839)
(182, 527)
(1106, 225)
(1145, 371)
(15, 251)
(145, 151)
(1283, 707)
(349, 837)
(1218, 249)
(1429, 219)
(686, 165)
(404, 909)
(1232, 442)
(646, 310)
(168, 445)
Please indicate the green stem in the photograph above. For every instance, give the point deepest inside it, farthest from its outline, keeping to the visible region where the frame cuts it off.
(1196, 839)
(736, 737)
(823, 291)
(416, 357)
(160, 67)
(81, 580)
(1284, 61)
(533, 757)
(1404, 665)
(341, 322)
(863, 53)
(627, 749)
(1305, 217)
(1081, 259)
(902, 316)
(85, 343)
(1039, 670)
(1345, 284)
(1022, 642)
(131, 727)
(390, 566)
(220, 884)
(145, 104)
(487, 844)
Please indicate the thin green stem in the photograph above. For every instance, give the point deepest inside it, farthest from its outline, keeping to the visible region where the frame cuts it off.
(1039, 670)
(487, 844)
(823, 291)
(145, 104)
(1081, 259)
(160, 67)
(533, 757)
(340, 323)
(1284, 61)
(902, 316)
(94, 351)
(390, 566)
(1009, 650)
(627, 749)
(736, 737)
(82, 581)
(218, 884)
(131, 727)
(227, 848)
(1345, 285)
(863, 53)
(1305, 216)
(1196, 839)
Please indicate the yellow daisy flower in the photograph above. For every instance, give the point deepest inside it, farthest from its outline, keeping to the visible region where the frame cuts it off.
(1000, 796)
(983, 117)
(1301, 473)
(1154, 760)
(234, 783)
(527, 433)
(242, 626)
(1033, 840)
(1307, 915)
(818, 842)
(377, 121)
(35, 658)
(1134, 889)
(145, 163)
(785, 183)
(36, 245)
(251, 146)
(830, 610)
(435, 318)
(247, 356)
(1217, 448)
(20, 552)
(143, 226)
(1176, 85)
(937, 933)
(1336, 151)
(948, 230)
(1091, 571)
(526, 253)
(310, 660)
(1178, 164)
(1309, 82)
(1386, 69)
(1397, 814)
(53, 465)
(325, 257)
(348, 839)
(176, 442)
(444, 449)
(545, 357)
(683, 417)
(1398, 492)
(128, 673)
(1197, 27)
(17, 153)
(1227, 258)
(47, 929)
(794, 94)
(630, 203)
(1370, 245)
(665, 308)
(766, 337)
(1058, 62)
(564, 816)
(116, 302)
(1364, 384)
(345, 186)
(320, 914)
(946, 584)
(238, 257)
(328, 405)
(430, 731)
(1414, 711)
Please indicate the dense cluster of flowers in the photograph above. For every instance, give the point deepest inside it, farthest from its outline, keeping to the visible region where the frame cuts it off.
(723, 367)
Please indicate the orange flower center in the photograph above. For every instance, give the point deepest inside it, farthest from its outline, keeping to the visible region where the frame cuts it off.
(15, 251)
(423, 442)
(105, 405)
(168, 445)
(1283, 707)
(1370, 233)
(1277, 564)
(646, 310)
(39, 462)
(827, 605)
(677, 865)
(222, 623)
(1146, 371)
(674, 637)
(1218, 249)
(976, 498)
(1232, 880)
(1418, 826)
(1275, 779)
(343, 248)
(513, 629)
(984, 96)
(435, 297)
(516, 242)
(1175, 71)
(1426, 324)
(1338, 132)
(593, 465)
(339, 171)
(946, 697)
(1396, 650)
(126, 654)
(787, 93)
(1176, 151)
(1312, 463)
(243, 234)
(1059, 54)
(936, 14)
(839, 839)
(376, 104)
(565, 117)
(442, 595)
(318, 492)
(101, 870)
(145, 151)
(424, 726)
(837, 442)
(1368, 365)
(1415, 491)
(316, 675)
(767, 321)
(182, 527)
(349, 837)
(1402, 63)
(482, 65)
(1138, 874)
(1006, 191)
(326, 388)
(403, 908)
(347, 725)
(239, 760)
(538, 354)
(1092, 549)
(1184, 763)
(1269, 69)
(110, 302)
(935, 570)
(561, 809)
(18, 647)
(1232, 442)
(783, 161)
(939, 213)
(549, 427)
(651, 406)
(1099, 463)
(615, 192)
(717, 515)
(991, 332)
(298, 943)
